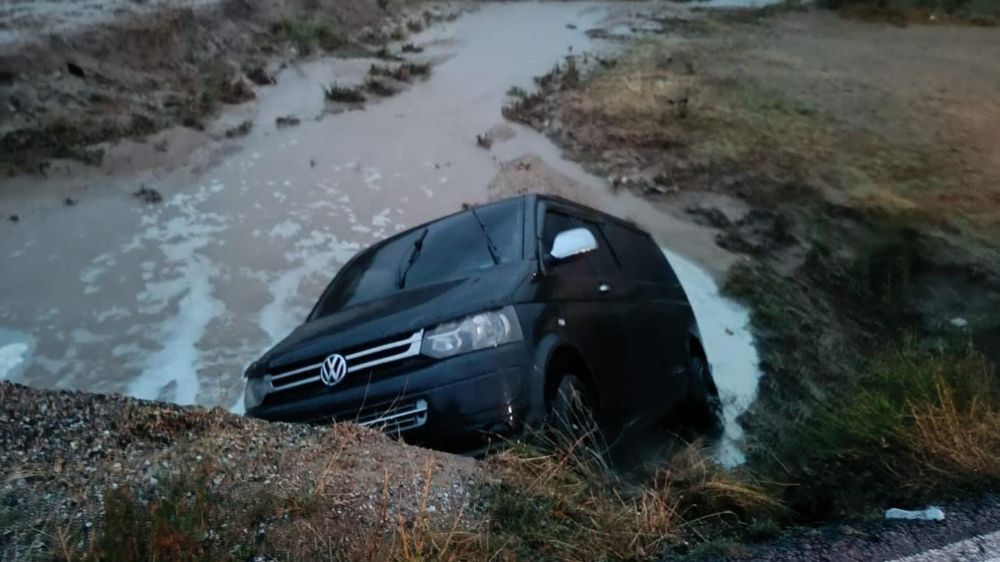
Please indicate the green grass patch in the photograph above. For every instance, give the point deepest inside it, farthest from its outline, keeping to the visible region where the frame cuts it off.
(308, 35)
(181, 520)
(916, 425)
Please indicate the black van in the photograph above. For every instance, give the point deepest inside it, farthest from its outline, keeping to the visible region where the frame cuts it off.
(485, 322)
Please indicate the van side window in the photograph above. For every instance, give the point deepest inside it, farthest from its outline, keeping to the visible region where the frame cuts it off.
(640, 257)
(599, 262)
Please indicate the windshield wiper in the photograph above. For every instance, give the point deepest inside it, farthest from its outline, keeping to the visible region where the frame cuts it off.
(489, 241)
(418, 245)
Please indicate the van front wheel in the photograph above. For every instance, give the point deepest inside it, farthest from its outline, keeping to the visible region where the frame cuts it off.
(572, 414)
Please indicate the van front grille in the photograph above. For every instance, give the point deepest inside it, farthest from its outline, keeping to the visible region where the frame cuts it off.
(395, 418)
(359, 360)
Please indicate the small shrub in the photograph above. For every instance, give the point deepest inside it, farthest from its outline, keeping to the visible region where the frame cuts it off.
(307, 35)
(378, 87)
(418, 69)
(528, 109)
(402, 73)
(171, 525)
(385, 54)
(240, 130)
(571, 76)
(343, 94)
(517, 92)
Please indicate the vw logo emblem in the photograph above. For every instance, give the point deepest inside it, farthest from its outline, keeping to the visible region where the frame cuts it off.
(333, 369)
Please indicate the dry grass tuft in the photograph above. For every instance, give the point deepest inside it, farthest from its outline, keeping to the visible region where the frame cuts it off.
(567, 504)
(449, 538)
(956, 439)
(704, 488)
(917, 424)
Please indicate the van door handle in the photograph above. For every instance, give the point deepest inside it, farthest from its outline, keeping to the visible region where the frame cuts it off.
(604, 287)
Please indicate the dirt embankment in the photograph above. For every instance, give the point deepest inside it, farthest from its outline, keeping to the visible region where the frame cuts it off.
(94, 477)
(71, 84)
(854, 167)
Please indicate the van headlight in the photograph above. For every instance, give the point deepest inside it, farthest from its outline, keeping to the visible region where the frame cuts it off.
(254, 392)
(478, 331)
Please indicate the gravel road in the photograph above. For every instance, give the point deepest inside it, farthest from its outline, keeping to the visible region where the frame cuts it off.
(967, 534)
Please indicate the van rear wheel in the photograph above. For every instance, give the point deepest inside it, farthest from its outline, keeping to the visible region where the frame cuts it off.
(701, 410)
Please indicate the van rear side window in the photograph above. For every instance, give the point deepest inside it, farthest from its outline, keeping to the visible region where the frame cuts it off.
(640, 257)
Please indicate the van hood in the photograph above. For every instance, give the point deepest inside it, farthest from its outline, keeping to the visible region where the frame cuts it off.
(399, 314)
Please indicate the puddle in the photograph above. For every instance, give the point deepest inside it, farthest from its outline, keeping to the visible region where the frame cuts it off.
(15, 350)
(172, 301)
(725, 331)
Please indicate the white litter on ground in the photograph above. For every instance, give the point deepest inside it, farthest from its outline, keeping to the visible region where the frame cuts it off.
(725, 331)
(930, 514)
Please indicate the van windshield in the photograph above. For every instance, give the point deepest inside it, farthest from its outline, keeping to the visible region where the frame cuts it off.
(441, 251)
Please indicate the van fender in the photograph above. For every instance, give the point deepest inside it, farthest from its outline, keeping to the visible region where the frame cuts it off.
(536, 377)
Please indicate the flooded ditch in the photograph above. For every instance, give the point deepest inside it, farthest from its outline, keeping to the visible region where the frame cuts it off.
(170, 301)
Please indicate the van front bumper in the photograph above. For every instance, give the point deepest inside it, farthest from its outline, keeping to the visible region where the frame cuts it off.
(454, 404)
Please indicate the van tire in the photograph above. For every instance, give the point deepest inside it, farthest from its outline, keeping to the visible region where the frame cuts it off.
(701, 410)
(572, 412)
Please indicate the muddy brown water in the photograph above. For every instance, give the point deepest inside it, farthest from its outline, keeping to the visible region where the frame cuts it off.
(170, 301)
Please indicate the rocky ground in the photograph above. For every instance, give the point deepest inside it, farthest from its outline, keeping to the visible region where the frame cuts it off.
(69, 459)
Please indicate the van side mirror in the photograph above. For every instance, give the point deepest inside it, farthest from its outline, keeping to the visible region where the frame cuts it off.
(573, 242)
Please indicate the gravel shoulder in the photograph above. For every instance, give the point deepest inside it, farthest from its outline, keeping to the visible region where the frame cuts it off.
(883, 539)
(62, 454)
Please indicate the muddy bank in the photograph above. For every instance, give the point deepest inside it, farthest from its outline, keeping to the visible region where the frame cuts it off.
(76, 77)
